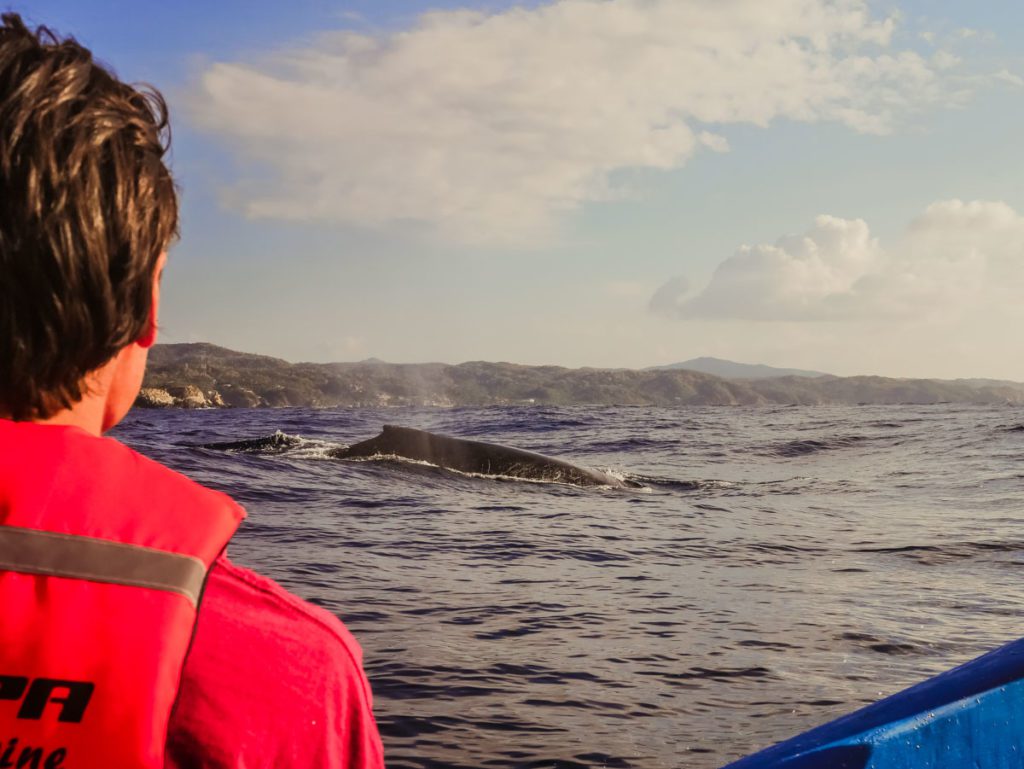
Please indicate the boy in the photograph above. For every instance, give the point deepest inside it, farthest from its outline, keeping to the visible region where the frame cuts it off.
(128, 639)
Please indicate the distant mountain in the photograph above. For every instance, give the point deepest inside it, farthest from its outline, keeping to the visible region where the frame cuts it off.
(728, 369)
(198, 375)
(985, 382)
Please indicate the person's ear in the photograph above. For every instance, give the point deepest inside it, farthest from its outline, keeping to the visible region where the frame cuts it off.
(149, 335)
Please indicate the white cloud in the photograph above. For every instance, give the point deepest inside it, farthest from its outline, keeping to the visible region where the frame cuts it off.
(956, 258)
(1005, 76)
(714, 142)
(945, 60)
(666, 300)
(485, 127)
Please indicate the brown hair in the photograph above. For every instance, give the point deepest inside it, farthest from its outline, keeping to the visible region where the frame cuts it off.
(86, 208)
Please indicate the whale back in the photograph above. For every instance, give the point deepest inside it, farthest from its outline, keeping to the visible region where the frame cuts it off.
(470, 456)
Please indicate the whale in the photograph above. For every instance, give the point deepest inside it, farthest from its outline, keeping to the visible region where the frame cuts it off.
(448, 452)
(478, 457)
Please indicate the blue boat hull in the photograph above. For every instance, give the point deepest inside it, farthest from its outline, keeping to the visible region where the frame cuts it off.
(971, 717)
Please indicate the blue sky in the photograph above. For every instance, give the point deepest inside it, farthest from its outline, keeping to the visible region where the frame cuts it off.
(825, 184)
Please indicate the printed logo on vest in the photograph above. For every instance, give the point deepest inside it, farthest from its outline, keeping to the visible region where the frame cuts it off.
(35, 695)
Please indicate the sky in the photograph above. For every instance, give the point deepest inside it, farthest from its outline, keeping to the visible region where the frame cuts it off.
(835, 185)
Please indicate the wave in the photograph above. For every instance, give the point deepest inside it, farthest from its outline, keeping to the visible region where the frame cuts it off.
(631, 444)
(934, 555)
(395, 459)
(277, 443)
(675, 484)
(807, 446)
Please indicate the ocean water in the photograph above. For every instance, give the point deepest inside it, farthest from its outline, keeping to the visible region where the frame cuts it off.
(782, 566)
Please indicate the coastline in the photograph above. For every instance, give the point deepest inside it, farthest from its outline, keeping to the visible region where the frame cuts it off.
(205, 376)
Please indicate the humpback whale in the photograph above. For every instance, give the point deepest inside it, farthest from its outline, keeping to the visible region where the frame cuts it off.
(476, 457)
(448, 452)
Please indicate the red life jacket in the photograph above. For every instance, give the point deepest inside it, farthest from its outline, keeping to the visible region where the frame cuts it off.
(103, 555)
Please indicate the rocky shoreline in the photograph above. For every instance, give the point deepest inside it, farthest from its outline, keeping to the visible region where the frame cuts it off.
(191, 397)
